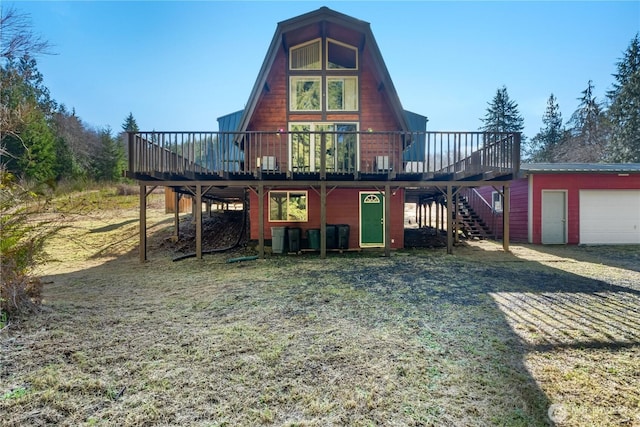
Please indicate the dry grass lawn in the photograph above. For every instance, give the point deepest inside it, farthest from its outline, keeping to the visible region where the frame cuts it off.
(537, 337)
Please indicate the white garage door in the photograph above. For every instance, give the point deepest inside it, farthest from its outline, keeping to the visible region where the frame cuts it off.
(610, 216)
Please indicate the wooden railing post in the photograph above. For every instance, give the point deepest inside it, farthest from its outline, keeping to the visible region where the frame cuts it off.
(323, 155)
(515, 162)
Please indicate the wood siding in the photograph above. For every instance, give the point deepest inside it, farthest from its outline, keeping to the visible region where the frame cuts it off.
(518, 218)
(343, 207)
(184, 205)
(376, 113)
(573, 183)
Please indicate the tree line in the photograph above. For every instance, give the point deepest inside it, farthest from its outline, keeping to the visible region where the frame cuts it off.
(42, 141)
(598, 131)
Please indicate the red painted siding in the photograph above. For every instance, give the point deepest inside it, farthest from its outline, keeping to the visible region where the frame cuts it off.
(518, 230)
(342, 208)
(573, 183)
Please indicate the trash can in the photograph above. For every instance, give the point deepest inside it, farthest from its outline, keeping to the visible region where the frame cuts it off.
(332, 237)
(313, 235)
(278, 240)
(294, 239)
(343, 236)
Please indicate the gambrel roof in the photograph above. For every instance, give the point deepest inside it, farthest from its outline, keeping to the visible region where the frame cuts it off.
(324, 14)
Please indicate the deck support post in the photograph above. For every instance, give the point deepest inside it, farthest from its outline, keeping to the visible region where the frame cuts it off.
(419, 214)
(323, 219)
(429, 210)
(387, 220)
(143, 223)
(198, 221)
(449, 219)
(506, 207)
(176, 215)
(261, 219)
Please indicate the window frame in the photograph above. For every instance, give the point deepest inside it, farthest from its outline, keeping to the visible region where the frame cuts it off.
(305, 44)
(314, 128)
(293, 92)
(289, 193)
(345, 45)
(497, 203)
(344, 97)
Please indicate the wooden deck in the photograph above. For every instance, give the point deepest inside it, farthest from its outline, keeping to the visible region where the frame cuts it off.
(223, 166)
(326, 156)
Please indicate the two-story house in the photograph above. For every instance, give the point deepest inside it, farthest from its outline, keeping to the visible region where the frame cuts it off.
(324, 140)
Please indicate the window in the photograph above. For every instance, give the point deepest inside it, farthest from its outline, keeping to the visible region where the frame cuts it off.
(305, 94)
(496, 201)
(306, 56)
(340, 149)
(342, 93)
(315, 85)
(341, 56)
(288, 206)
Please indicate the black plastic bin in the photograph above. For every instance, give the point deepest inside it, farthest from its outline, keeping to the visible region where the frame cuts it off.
(294, 239)
(343, 236)
(332, 237)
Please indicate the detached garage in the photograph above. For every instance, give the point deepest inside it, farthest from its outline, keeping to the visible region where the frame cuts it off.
(592, 204)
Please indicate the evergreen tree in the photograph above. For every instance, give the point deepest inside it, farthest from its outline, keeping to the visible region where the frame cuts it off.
(550, 136)
(109, 163)
(27, 139)
(502, 114)
(624, 112)
(130, 124)
(588, 131)
(586, 121)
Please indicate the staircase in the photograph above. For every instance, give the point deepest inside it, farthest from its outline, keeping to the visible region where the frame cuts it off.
(471, 224)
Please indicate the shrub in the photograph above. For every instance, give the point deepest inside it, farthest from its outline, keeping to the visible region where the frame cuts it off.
(21, 247)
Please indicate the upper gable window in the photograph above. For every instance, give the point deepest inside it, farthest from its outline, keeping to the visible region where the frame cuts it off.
(306, 56)
(341, 56)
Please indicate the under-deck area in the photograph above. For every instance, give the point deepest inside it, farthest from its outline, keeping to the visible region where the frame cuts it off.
(228, 166)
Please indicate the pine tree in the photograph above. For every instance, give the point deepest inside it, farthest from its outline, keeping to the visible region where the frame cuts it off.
(624, 112)
(588, 131)
(109, 163)
(130, 124)
(502, 114)
(550, 136)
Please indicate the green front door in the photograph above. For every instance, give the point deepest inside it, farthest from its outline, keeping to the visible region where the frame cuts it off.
(371, 219)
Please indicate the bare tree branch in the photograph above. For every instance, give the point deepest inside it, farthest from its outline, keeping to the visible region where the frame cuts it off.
(17, 37)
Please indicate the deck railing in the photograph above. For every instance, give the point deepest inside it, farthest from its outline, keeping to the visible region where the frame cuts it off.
(297, 154)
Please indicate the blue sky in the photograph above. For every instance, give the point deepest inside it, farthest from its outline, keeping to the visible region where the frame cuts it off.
(180, 65)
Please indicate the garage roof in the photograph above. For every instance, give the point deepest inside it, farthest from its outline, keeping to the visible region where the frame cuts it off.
(529, 168)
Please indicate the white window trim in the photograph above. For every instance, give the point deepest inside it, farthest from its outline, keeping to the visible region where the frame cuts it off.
(312, 128)
(497, 205)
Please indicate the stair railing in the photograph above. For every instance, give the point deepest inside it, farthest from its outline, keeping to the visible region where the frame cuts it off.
(481, 207)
